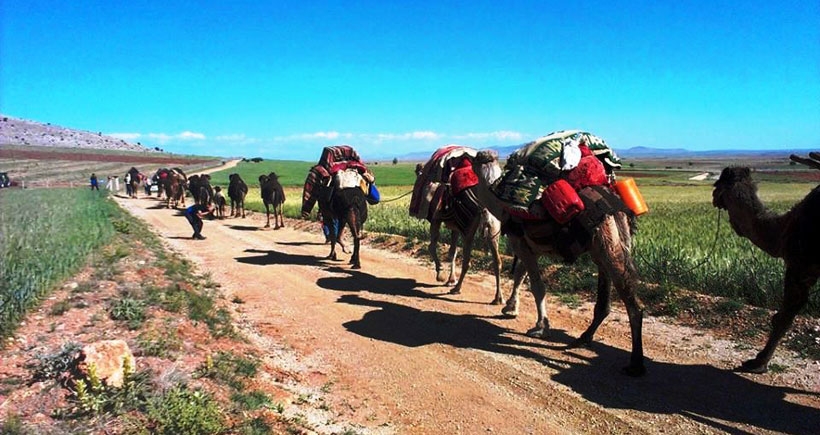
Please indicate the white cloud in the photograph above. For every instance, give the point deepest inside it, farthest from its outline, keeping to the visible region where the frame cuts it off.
(126, 136)
(159, 137)
(189, 135)
(184, 136)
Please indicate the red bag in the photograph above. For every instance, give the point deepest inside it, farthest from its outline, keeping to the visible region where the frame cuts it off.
(561, 201)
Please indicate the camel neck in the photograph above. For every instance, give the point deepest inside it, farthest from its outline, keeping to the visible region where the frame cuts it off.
(761, 226)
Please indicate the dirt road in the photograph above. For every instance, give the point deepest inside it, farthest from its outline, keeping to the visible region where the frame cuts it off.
(397, 354)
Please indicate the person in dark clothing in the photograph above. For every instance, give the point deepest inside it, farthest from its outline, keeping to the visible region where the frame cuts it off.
(194, 214)
(94, 183)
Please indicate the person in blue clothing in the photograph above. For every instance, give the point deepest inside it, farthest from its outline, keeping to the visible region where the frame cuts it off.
(94, 182)
(194, 214)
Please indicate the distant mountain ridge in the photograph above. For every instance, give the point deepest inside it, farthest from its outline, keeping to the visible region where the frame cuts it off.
(14, 131)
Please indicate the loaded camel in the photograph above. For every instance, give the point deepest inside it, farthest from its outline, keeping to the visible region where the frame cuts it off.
(172, 182)
(273, 196)
(237, 189)
(793, 236)
(609, 245)
(340, 207)
(463, 216)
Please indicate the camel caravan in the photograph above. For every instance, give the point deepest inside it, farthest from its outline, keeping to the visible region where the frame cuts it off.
(557, 196)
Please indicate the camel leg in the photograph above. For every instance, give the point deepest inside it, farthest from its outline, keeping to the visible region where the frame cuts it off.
(432, 248)
(796, 287)
(602, 309)
(511, 308)
(499, 298)
(539, 290)
(610, 251)
(267, 215)
(451, 260)
(466, 255)
(356, 231)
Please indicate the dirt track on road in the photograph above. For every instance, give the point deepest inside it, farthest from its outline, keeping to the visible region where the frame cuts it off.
(403, 356)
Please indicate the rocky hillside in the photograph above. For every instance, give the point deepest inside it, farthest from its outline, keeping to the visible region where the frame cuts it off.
(15, 131)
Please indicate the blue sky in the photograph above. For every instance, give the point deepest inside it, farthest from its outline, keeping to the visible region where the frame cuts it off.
(282, 79)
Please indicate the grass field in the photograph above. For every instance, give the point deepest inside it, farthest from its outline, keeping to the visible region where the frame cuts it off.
(47, 235)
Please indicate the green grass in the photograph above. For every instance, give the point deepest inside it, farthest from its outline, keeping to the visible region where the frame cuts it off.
(46, 235)
(681, 243)
(293, 173)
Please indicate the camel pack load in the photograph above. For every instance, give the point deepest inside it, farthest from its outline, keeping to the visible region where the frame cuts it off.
(339, 167)
(545, 176)
(447, 172)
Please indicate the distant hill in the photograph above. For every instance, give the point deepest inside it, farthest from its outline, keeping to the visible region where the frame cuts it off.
(14, 131)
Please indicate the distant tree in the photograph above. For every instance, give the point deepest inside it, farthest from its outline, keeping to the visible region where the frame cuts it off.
(631, 165)
(395, 160)
(257, 159)
(792, 163)
(690, 163)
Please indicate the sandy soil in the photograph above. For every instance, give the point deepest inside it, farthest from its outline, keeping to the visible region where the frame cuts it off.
(404, 356)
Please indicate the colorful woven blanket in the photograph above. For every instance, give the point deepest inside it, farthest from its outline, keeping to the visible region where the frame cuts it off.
(579, 157)
(447, 172)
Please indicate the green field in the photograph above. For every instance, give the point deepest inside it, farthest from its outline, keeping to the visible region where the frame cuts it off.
(292, 173)
(46, 235)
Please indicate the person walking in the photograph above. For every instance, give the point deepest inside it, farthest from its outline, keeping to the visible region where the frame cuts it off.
(128, 191)
(194, 214)
(94, 183)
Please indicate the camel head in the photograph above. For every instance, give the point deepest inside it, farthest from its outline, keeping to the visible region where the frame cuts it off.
(731, 179)
(485, 165)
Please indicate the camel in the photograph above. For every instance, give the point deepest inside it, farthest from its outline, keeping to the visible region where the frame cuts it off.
(219, 203)
(172, 182)
(273, 196)
(340, 208)
(237, 189)
(133, 180)
(463, 216)
(348, 207)
(609, 243)
(793, 236)
(200, 188)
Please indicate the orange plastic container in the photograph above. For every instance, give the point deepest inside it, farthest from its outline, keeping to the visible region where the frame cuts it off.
(628, 191)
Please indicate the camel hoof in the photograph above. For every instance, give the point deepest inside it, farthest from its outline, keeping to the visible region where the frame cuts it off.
(497, 301)
(455, 291)
(634, 371)
(356, 266)
(537, 332)
(579, 342)
(440, 278)
(509, 314)
(752, 366)
(267, 226)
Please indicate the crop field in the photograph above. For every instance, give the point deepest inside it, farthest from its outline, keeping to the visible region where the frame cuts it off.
(45, 236)
(680, 243)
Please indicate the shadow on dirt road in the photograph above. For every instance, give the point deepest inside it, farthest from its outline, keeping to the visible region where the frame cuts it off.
(703, 393)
